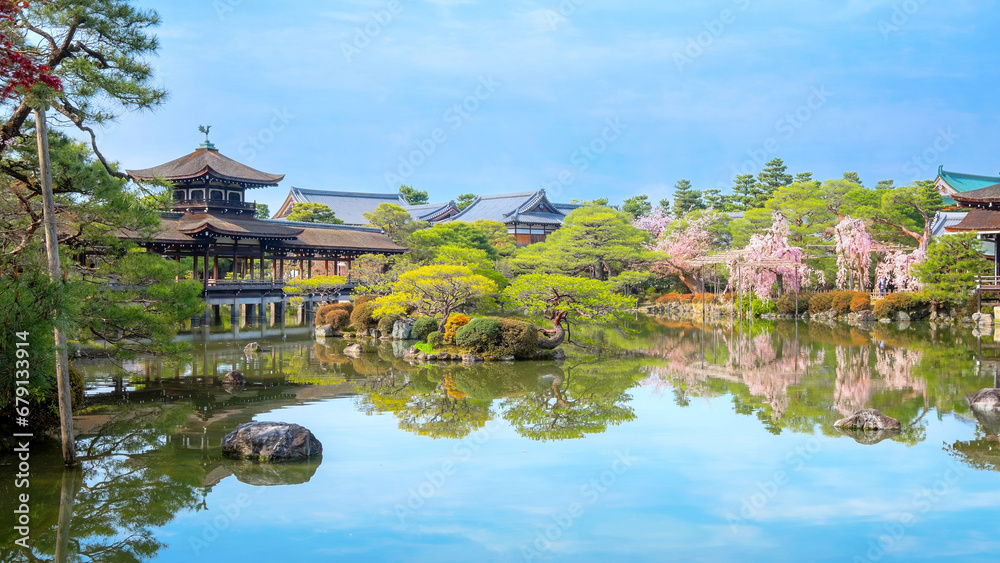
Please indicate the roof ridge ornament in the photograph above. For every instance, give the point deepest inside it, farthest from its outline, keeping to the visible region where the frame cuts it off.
(207, 144)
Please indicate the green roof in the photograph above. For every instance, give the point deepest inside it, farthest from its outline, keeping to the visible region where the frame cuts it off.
(966, 182)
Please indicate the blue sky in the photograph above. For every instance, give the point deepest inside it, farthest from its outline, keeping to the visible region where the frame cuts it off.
(588, 98)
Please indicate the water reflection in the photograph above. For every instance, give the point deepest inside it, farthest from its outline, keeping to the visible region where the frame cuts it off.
(800, 375)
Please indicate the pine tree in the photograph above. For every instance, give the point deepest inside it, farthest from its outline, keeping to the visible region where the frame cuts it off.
(686, 198)
(853, 178)
(745, 192)
(774, 175)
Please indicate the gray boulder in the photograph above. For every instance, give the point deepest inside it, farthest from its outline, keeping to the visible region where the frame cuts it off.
(354, 350)
(234, 378)
(252, 348)
(269, 441)
(903, 316)
(324, 331)
(866, 317)
(472, 359)
(401, 329)
(985, 399)
(558, 354)
(868, 419)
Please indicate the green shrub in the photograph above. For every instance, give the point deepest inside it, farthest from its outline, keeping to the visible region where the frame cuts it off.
(435, 339)
(894, 303)
(455, 321)
(423, 327)
(385, 324)
(361, 318)
(820, 303)
(518, 339)
(479, 336)
(786, 304)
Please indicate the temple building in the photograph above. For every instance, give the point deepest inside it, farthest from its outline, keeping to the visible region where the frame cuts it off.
(951, 183)
(350, 207)
(983, 218)
(242, 259)
(529, 216)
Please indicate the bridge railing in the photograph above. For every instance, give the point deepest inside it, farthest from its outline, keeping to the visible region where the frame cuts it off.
(988, 283)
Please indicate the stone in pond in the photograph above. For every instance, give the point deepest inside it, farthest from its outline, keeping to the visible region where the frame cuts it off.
(868, 419)
(269, 441)
(252, 348)
(234, 378)
(354, 350)
(985, 399)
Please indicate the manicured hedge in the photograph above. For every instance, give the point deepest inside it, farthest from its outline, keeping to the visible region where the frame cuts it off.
(424, 326)
(499, 337)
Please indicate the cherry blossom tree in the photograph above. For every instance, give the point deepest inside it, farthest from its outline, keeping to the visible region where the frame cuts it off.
(786, 271)
(897, 269)
(655, 223)
(682, 242)
(854, 253)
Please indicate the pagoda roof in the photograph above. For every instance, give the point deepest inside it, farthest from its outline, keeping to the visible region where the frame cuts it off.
(518, 207)
(962, 183)
(986, 196)
(196, 229)
(208, 163)
(945, 219)
(983, 221)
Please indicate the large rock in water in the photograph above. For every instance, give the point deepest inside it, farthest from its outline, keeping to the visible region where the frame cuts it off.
(354, 350)
(402, 329)
(252, 348)
(269, 441)
(869, 419)
(234, 378)
(985, 399)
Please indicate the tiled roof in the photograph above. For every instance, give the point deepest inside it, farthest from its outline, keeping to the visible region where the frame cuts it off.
(249, 227)
(962, 183)
(988, 194)
(945, 219)
(181, 229)
(207, 162)
(512, 208)
(979, 220)
(349, 207)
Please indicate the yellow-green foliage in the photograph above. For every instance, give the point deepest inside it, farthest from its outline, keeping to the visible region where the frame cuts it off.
(422, 327)
(361, 318)
(455, 321)
(896, 302)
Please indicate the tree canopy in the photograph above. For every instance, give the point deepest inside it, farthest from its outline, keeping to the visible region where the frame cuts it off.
(309, 212)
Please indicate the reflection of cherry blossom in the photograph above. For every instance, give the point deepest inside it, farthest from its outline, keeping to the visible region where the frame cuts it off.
(855, 384)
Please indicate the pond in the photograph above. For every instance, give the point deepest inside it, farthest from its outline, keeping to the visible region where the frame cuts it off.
(677, 443)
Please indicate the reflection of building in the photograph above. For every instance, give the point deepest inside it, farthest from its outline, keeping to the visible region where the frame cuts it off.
(237, 256)
(350, 207)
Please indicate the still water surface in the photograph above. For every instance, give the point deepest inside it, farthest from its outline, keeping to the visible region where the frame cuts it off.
(686, 444)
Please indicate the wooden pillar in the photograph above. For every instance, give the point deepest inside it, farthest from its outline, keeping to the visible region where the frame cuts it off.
(301, 268)
(996, 259)
(215, 267)
(309, 269)
(261, 261)
(205, 277)
(281, 269)
(326, 267)
(236, 244)
(250, 267)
